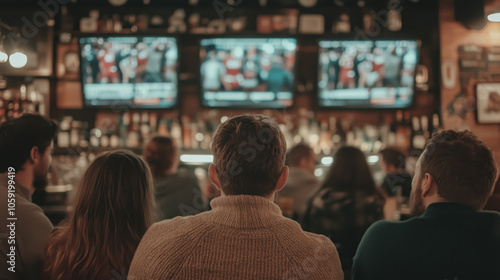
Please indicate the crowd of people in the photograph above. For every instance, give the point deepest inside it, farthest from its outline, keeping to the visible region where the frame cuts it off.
(122, 62)
(141, 217)
(355, 66)
(247, 68)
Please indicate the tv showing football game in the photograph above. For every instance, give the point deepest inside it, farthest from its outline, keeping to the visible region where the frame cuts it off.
(367, 74)
(139, 72)
(247, 72)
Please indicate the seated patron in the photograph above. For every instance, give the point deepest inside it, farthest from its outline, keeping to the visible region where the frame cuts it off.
(393, 165)
(26, 145)
(346, 205)
(113, 210)
(451, 237)
(302, 183)
(176, 190)
(245, 235)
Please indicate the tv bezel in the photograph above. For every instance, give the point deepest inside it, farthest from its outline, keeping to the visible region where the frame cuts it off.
(372, 108)
(127, 105)
(258, 36)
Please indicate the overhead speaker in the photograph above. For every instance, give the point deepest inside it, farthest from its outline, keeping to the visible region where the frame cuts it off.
(470, 13)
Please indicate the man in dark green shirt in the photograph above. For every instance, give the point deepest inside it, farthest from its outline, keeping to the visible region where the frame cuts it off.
(450, 237)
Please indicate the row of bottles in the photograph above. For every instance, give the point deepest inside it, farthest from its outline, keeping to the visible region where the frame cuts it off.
(324, 135)
(14, 102)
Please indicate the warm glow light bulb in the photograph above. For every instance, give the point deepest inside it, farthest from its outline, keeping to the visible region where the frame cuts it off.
(3, 56)
(18, 60)
(495, 17)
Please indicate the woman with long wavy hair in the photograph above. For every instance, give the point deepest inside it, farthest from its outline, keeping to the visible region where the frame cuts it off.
(346, 205)
(113, 209)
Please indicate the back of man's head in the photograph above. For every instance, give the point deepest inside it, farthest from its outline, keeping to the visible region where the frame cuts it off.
(297, 153)
(161, 155)
(462, 166)
(394, 158)
(249, 155)
(18, 136)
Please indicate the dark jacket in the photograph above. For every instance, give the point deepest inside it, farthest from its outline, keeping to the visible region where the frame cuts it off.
(449, 241)
(343, 217)
(178, 194)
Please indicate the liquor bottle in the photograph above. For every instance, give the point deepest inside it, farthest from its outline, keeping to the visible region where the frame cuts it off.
(418, 138)
(425, 126)
(186, 132)
(63, 136)
(436, 124)
(123, 127)
(176, 132)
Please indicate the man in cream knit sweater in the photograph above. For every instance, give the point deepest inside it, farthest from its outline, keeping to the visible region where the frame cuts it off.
(245, 236)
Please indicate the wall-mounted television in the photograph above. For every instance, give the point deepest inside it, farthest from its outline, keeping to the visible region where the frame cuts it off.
(247, 72)
(139, 72)
(367, 74)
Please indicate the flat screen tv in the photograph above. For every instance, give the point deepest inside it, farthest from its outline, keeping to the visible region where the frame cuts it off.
(140, 72)
(367, 74)
(247, 72)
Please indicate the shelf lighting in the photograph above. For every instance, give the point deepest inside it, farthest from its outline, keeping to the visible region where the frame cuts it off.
(197, 159)
(494, 17)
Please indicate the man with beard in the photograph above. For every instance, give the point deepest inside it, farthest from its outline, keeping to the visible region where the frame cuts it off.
(450, 237)
(26, 144)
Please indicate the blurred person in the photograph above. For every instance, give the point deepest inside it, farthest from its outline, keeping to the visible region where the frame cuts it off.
(244, 236)
(450, 236)
(212, 71)
(113, 209)
(279, 79)
(107, 64)
(493, 203)
(346, 74)
(302, 183)
(177, 192)
(393, 65)
(346, 205)
(26, 145)
(393, 165)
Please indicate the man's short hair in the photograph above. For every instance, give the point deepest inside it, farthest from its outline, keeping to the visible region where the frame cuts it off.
(393, 156)
(249, 155)
(18, 136)
(462, 166)
(162, 156)
(297, 153)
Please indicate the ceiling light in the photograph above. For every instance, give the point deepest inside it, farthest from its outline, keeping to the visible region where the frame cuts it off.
(18, 60)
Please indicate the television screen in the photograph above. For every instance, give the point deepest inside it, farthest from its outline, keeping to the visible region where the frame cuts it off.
(134, 71)
(247, 72)
(367, 74)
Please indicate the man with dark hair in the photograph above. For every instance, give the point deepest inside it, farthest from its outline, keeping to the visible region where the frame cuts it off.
(244, 236)
(25, 154)
(393, 164)
(301, 184)
(452, 238)
(176, 191)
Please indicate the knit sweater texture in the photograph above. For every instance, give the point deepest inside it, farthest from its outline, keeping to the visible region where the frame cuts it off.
(242, 237)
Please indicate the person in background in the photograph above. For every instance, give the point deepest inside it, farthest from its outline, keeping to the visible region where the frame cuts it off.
(113, 209)
(450, 237)
(26, 145)
(493, 203)
(177, 192)
(393, 164)
(244, 236)
(302, 183)
(346, 205)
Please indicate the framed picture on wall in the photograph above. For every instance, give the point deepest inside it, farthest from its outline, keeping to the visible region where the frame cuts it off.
(488, 103)
(68, 61)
